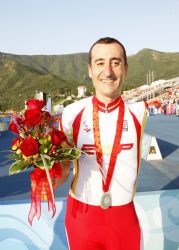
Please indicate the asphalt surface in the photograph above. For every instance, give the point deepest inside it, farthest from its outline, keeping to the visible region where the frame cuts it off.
(154, 175)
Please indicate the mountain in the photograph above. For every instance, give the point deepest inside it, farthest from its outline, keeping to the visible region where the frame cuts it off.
(22, 75)
(164, 66)
(19, 82)
(70, 67)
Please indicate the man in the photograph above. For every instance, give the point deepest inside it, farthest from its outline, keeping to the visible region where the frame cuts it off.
(100, 209)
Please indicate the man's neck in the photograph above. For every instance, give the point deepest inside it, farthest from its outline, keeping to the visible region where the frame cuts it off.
(106, 100)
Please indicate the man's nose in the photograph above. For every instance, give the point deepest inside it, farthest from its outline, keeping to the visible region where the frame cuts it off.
(108, 70)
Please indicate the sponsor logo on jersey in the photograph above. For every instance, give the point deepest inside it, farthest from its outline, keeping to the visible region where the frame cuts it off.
(85, 127)
(90, 148)
(125, 125)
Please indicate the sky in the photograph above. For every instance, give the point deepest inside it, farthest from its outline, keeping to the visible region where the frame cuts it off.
(56, 27)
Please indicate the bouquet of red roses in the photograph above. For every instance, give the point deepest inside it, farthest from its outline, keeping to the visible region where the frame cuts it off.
(39, 144)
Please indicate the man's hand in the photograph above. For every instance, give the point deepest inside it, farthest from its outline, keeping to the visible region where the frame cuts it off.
(64, 174)
(56, 182)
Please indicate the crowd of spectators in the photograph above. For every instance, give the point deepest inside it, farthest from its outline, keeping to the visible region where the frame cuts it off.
(168, 103)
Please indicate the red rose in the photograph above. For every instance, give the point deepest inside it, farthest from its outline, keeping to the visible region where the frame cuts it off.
(47, 116)
(29, 147)
(57, 137)
(32, 117)
(19, 120)
(13, 128)
(35, 104)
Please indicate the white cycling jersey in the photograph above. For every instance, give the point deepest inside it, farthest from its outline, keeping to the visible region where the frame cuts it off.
(77, 123)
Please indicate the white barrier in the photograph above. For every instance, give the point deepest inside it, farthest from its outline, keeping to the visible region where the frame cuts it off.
(158, 213)
(150, 148)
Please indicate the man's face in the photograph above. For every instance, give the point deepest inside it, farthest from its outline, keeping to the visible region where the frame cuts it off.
(107, 70)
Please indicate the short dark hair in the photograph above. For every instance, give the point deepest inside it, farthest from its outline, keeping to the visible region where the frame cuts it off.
(107, 40)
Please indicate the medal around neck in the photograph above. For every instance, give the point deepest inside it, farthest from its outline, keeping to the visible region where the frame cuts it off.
(106, 200)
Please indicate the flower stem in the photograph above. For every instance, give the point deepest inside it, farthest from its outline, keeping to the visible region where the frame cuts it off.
(48, 176)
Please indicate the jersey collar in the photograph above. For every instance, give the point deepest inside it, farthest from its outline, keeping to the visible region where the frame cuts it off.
(110, 107)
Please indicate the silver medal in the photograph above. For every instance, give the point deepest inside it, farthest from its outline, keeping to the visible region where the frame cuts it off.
(106, 200)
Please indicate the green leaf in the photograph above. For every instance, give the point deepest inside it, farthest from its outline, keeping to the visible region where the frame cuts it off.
(44, 141)
(41, 165)
(17, 167)
(38, 163)
(44, 148)
(14, 156)
(69, 153)
(75, 152)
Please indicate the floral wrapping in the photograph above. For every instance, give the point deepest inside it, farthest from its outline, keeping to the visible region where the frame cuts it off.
(41, 146)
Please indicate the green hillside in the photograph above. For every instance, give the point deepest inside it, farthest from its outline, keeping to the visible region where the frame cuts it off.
(70, 67)
(19, 83)
(164, 66)
(21, 75)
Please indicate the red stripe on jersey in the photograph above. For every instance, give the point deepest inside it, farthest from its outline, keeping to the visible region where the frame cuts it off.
(88, 147)
(60, 124)
(125, 147)
(146, 104)
(76, 126)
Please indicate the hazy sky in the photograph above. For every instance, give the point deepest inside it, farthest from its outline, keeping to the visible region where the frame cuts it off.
(71, 26)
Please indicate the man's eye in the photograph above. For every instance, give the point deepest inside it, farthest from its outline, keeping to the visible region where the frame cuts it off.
(100, 64)
(115, 63)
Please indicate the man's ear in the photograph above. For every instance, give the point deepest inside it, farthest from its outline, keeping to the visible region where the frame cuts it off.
(126, 70)
(89, 71)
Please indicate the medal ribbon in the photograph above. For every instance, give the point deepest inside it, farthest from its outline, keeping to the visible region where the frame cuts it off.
(116, 144)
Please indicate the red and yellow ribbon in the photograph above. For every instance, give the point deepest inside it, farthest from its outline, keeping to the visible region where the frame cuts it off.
(40, 190)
